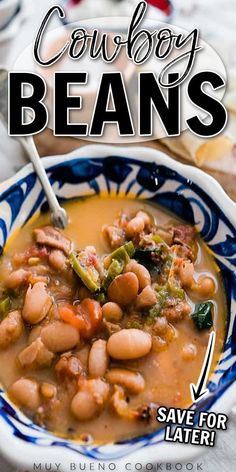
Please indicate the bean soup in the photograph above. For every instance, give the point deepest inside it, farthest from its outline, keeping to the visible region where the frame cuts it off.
(105, 321)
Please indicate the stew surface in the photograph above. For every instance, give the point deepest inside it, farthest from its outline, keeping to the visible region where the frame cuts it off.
(105, 321)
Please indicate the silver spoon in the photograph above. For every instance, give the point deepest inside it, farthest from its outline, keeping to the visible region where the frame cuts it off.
(59, 216)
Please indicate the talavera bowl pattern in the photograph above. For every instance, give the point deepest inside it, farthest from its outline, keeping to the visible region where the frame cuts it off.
(188, 193)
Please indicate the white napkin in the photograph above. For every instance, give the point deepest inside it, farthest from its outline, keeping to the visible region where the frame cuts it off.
(216, 21)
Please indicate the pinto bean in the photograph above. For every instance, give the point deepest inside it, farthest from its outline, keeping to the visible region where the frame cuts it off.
(129, 344)
(25, 393)
(132, 381)
(35, 355)
(145, 217)
(123, 289)
(57, 260)
(90, 400)
(160, 326)
(83, 406)
(205, 286)
(59, 337)
(98, 359)
(146, 298)
(48, 390)
(37, 303)
(17, 278)
(135, 226)
(142, 273)
(186, 272)
(112, 311)
(11, 329)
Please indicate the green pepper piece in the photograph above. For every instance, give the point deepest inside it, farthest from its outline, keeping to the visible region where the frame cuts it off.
(123, 253)
(134, 324)
(153, 313)
(202, 315)
(5, 305)
(156, 310)
(175, 291)
(157, 239)
(129, 247)
(85, 270)
(115, 268)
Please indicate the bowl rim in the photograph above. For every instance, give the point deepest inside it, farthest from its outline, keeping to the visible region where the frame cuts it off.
(93, 151)
(10, 446)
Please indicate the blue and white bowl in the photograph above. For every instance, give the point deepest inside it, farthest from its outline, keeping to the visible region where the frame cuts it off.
(188, 193)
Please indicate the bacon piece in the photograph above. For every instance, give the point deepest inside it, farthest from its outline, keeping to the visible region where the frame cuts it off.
(52, 237)
(35, 355)
(175, 313)
(114, 235)
(184, 234)
(183, 252)
(68, 367)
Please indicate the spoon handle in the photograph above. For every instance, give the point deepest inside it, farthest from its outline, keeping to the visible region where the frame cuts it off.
(58, 214)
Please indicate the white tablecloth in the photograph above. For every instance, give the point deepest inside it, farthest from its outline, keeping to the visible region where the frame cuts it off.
(212, 16)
